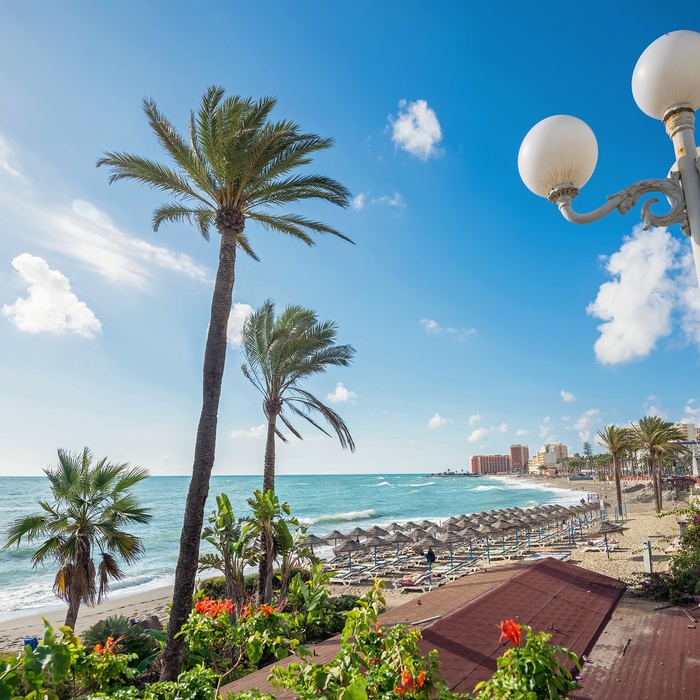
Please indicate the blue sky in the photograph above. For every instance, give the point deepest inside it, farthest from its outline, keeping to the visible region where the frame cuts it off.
(480, 317)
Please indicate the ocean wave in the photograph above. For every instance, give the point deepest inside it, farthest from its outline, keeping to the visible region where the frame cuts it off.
(382, 483)
(425, 483)
(487, 488)
(342, 517)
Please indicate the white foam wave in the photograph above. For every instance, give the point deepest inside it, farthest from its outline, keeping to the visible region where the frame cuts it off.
(349, 516)
(487, 488)
(382, 483)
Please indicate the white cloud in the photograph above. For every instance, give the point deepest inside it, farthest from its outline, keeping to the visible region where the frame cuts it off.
(653, 278)
(50, 306)
(434, 328)
(236, 319)
(691, 412)
(502, 428)
(5, 155)
(546, 427)
(416, 129)
(474, 419)
(340, 394)
(587, 423)
(567, 396)
(360, 201)
(478, 434)
(651, 408)
(437, 421)
(363, 200)
(520, 433)
(255, 433)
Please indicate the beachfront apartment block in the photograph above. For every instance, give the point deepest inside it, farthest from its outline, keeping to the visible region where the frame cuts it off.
(689, 429)
(490, 464)
(548, 457)
(519, 455)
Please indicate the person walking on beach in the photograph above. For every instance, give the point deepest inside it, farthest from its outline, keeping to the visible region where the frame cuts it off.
(430, 556)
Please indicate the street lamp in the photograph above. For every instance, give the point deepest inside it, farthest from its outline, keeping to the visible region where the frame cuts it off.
(559, 154)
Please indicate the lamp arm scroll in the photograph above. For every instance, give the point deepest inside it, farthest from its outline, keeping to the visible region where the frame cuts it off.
(624, 200)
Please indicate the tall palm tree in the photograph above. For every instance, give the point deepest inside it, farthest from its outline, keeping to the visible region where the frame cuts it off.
(658, 437)
(237, 165)
(91, 506)
(281, 352)
(616, 441)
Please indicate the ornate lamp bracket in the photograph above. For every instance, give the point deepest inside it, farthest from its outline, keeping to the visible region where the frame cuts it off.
(626, 199)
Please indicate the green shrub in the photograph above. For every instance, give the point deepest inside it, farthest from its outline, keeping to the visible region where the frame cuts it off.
(132, 639)
(214, 587)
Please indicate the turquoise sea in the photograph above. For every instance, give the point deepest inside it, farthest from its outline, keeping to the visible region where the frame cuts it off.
(325, 502)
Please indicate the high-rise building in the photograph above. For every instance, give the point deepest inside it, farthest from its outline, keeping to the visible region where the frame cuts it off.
(490, 464)
(548, 456)
(519, 454)
(689, 429)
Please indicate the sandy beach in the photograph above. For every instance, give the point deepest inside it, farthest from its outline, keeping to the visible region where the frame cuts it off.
(624, 562)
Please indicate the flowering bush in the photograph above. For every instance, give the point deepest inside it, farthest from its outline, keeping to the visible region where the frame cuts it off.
(213, 608)
(529, 672)
(373, 662)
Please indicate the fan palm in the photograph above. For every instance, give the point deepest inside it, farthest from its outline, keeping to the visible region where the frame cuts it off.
(236, 166)
(91, 507)
(281, 352)
(658, 437)
(616, 441)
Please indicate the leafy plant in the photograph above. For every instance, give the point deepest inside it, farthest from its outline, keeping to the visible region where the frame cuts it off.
(132, 639)
(372, 663)
(531, 671)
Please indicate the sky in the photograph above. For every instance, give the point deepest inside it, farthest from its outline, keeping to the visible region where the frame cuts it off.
(479, 316)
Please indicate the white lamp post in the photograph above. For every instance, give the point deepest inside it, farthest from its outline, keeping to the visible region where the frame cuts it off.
(559, 154)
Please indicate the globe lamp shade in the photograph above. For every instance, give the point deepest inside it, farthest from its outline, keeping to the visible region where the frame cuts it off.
(668, 73)
(559, 150)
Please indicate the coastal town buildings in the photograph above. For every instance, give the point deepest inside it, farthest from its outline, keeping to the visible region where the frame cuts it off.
(548, 457)
(519, 455)
(689, 429)
(490, 464)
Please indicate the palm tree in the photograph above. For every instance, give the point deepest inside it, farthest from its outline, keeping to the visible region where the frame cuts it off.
(616, 441)
(237, 165)
(281, 352)
(91, 507)
(658, 437)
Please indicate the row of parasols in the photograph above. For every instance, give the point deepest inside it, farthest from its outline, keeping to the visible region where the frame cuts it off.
(463, 529)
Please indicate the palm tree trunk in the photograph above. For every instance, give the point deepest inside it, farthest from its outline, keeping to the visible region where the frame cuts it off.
(205, 445)
(266, 560)
(269, 464)
(72, 612)
(618, 484)
(659, 485)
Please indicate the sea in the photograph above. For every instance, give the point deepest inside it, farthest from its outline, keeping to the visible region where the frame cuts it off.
(324, 502)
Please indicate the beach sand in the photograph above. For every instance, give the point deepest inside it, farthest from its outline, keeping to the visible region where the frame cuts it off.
(625, 563)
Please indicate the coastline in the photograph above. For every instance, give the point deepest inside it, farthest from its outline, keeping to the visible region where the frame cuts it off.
(625, 563)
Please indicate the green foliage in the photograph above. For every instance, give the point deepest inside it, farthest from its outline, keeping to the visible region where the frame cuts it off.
(106, 670)
(214, 587)
(372, 663)
(530, 672)
(196, 684)
(131, 638)
(232, 540)
(91, 506)
(682, 580)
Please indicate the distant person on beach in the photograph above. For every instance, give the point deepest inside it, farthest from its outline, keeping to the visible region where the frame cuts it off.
(430, 555)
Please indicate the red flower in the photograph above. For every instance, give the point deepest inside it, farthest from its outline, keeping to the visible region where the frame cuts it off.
(213, 608)
(510, 630)
(266, 609)
(421, 679)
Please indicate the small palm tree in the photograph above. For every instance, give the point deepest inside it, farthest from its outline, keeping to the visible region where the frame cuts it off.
(658, 437)
(232, 539)
(616, 441)
(281, 352)
(91, 507)
(236, 166)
